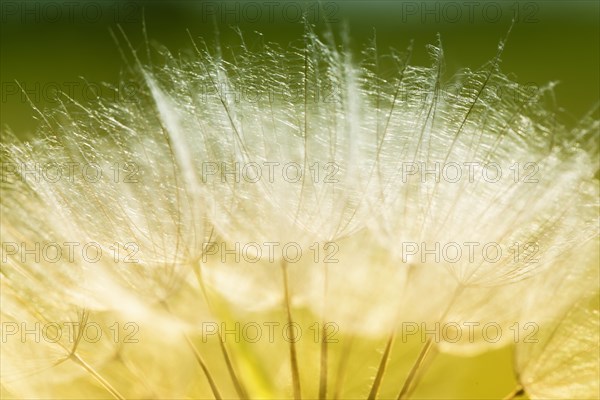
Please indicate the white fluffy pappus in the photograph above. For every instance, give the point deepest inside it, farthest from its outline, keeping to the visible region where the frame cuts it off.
(264, 147)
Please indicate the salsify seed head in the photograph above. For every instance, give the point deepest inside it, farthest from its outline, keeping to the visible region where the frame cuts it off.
(239, 182)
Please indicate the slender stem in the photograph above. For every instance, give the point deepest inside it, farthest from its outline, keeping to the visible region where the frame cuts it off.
(200, 360)
(105, 384)
(381, 369)
(323, 374)
(415, 368)
(518, 391)
(239, 387)
(341, 369)
(293, 353)
(410, 379)
(324, 349)
(237, 383)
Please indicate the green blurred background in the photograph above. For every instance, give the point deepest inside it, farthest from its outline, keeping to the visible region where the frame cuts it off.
(62, 44)
(47, 45)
